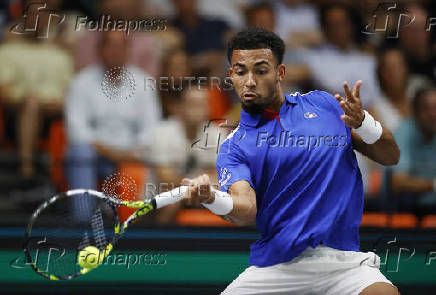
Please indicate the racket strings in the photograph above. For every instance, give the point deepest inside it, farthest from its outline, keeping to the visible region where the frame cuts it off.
(67, 226)
(98, 231)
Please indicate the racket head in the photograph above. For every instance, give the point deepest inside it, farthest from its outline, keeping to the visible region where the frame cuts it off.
(69, 222)
(66, 224)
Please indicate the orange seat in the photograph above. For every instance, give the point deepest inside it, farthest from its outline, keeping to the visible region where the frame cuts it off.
(56, 147)
(200, 217)
(403, 220)
(375, 180)
(428, 221)
(138, 172)
(374, 220)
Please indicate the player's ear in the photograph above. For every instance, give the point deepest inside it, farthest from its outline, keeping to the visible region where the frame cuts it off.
(281, 72)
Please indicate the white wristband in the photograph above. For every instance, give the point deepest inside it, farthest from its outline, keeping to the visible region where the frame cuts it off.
(371, 130)
(222, 205)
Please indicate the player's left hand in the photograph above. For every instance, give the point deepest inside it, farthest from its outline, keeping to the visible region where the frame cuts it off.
(199, 190)
(353, 111)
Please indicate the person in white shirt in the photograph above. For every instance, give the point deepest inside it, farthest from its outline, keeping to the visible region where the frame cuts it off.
(338, 58)
(185, 144)
(104, 130)
(394, 105)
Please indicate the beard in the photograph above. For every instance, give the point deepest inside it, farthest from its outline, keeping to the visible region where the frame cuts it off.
(253, 108)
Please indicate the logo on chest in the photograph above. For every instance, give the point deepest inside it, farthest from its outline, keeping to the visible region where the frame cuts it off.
(310, 115)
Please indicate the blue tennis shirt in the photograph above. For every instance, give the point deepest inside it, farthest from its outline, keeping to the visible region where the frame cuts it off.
(303, 169)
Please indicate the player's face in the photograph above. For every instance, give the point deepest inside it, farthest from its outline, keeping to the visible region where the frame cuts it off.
(256, 78)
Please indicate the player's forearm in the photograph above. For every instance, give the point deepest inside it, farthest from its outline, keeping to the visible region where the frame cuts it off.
(403, 183)
(384, 151)
(244, 206)
(243, 213)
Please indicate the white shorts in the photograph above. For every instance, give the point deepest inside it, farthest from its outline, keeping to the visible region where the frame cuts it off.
(322, 270)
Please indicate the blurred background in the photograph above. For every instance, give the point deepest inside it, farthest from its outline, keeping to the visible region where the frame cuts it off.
(60, 129)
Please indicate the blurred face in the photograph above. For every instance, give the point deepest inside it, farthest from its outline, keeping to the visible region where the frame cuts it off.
(126, 9)
(195, 109)
(113, 49)
(178, 66)
(256, 78)
(393, 72)
(185, 6)
(426, 113)
(263, 18)
(338, 28)
(414, 38)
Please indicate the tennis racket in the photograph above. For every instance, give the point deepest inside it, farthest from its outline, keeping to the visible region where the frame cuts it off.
(64, 226)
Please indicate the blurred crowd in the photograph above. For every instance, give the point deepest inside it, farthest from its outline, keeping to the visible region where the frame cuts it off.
(52, 67)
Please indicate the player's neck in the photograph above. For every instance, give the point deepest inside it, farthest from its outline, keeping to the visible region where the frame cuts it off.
(277, 101)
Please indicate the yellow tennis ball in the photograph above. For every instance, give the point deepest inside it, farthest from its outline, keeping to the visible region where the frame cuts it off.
(90, 257)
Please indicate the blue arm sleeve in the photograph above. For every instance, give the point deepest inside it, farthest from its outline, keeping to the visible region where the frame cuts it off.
(232, 166)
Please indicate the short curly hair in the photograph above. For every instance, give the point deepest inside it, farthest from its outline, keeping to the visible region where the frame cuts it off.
(256, 38)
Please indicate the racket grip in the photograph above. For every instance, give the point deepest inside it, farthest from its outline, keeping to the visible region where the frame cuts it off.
(170, 197)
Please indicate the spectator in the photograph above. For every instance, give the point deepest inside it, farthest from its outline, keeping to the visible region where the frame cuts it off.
(416, 41)
(414, 178)
(297, 23)
(144, 48)
(34, 75)
(261, 15)
(338, 59)
(102, 132)
(176, 67)
(204, 38)
(184, 145)
(393, 106)
(391, 109)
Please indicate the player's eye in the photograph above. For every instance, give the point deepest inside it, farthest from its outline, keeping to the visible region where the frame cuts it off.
(240, 73)
(262, 72)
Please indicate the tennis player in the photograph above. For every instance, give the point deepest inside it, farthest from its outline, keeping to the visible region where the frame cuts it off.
(289, 168)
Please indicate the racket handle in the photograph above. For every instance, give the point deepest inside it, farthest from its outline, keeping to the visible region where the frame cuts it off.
(170, 197)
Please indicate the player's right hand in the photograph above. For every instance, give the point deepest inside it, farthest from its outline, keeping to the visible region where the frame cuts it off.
(199, 190)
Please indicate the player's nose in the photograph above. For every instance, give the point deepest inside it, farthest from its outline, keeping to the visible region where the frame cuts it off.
(250, 82)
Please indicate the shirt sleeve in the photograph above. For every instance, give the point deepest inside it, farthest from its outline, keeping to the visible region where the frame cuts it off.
(150, 115)
(77, 112)
(331, 102)
(232, 166)
(402, 138)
